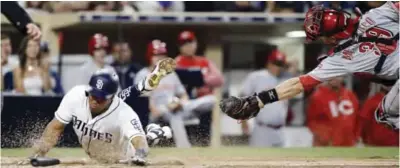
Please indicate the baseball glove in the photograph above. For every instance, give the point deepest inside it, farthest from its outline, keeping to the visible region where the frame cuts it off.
(240, 108)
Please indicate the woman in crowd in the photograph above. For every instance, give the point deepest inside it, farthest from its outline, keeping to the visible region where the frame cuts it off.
(30, 77)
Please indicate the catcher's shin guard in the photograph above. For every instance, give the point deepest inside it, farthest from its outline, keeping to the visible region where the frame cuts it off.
(391, 121)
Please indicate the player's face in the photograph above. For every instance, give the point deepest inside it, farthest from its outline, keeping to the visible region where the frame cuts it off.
(189, 48)
(98, 55)
(98, 104)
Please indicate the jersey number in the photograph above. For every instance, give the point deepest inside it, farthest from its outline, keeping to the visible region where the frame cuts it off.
(345, 107)
(374, 32)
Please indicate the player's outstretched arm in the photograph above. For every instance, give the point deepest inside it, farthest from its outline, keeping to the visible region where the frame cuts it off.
(49, 138)
(243, 108)
(141, 150)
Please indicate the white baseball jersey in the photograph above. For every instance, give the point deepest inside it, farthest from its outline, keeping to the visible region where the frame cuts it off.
(360, 59)
(170, 86)
(107, 136)
(274, 113)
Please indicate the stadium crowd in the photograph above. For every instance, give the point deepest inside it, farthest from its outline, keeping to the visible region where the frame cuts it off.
(190, 6)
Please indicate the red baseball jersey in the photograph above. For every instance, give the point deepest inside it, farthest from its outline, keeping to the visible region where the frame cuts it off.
(373, 133)
(212, 75)
(332, 116)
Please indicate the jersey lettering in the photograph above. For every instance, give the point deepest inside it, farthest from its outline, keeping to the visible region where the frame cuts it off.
(125, 93)
(374, 32)
(86, 131)
(345, 107)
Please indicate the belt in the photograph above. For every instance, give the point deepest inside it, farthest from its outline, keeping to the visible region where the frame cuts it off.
(270, 125)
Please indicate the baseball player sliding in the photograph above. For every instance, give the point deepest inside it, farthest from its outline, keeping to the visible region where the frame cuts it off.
(365, 46)
(107, 128)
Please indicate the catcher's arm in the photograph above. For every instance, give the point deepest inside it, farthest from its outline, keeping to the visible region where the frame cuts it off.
(248, 107)
(49, 138)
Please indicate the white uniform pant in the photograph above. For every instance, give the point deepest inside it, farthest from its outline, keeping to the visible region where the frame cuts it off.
(264, 136)
(191, 108)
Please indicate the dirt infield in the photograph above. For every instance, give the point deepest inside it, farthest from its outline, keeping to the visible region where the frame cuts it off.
(228, 158)
(220, 162)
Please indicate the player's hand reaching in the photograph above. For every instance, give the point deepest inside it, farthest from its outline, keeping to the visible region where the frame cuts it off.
(139, 159)
(240, 108)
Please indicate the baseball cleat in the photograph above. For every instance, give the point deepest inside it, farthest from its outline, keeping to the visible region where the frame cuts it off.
(163, 68)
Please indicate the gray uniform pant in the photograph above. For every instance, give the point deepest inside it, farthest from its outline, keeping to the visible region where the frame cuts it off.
(264, 136)
(390, 105)
(190, 109)
(390, 102)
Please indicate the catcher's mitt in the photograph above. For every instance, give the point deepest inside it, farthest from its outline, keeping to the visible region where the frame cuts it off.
(240, 108)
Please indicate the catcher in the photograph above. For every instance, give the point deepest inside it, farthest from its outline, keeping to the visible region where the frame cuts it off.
(365, 46)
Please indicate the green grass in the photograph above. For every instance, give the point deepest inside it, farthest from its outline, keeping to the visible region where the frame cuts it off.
(344, 153)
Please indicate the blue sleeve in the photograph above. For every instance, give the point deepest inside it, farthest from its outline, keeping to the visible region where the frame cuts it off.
(139, 104)
(129, 93)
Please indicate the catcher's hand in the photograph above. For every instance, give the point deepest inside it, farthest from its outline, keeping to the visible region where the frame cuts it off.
(240, 108)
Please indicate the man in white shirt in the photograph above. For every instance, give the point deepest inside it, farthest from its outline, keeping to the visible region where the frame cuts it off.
(107, 128)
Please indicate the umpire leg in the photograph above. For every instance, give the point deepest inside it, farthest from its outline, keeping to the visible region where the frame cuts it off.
(388, 110)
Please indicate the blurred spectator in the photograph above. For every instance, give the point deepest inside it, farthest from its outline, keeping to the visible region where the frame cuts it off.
(372, 133)
(332, 114)
(30, 77)
(160, 6)
(127, 7)
(287, 6)
(365, 6)
(125, 67)
(46, 63)
(97, 47)
(187, 59)
(36, 6)
(103, 6)
(270, 120)
(169, 102)
(7, 65)
(66, 6)
(240, 6)
(344, 5)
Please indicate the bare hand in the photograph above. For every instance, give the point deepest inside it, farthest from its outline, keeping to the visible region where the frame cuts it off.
(33, 31)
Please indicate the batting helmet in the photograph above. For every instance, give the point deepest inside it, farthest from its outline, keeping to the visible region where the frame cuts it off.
(277, 57)
(185, 37)
(156, 47)
(320, 21)
(103, 84)
(97, 41)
